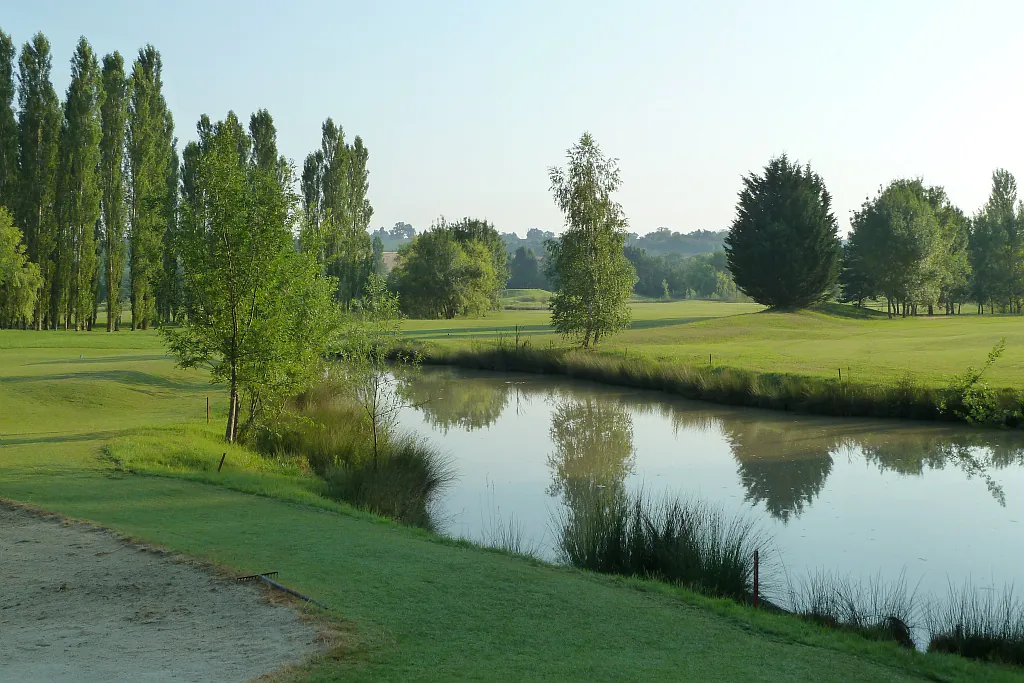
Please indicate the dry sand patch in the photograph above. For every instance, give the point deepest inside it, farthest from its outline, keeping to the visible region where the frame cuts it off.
(80, 604)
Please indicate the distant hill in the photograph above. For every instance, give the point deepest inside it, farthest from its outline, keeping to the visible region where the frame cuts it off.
(665, 241)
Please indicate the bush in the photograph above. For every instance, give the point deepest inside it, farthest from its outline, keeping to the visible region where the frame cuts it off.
(336, 439)
(402, 484)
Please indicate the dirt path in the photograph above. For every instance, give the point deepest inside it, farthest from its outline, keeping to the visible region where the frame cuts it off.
(79, 604)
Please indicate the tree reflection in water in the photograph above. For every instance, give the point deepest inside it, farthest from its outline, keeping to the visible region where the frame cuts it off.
(783, 460)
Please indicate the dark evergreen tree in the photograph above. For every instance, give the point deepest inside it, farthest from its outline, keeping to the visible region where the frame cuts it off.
(783, 248)
(524, 271)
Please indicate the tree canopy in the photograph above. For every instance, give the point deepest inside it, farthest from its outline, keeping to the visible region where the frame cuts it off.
(260, 314)
(592, 277)
(783, 247)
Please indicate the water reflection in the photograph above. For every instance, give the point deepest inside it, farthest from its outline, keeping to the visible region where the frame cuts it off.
(782, 461)
(593, 450)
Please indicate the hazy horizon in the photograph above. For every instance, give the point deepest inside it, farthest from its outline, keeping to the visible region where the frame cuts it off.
(465, 107)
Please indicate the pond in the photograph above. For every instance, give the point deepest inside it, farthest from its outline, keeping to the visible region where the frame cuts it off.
(939, 503)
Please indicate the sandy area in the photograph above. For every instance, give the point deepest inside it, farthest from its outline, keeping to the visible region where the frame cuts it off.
(79, 604)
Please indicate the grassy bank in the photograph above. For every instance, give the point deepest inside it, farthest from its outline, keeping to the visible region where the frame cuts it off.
(660, 352)
(104, 428)
(904, 398)
(868, 347)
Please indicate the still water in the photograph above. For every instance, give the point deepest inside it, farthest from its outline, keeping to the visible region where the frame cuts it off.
(941, 503)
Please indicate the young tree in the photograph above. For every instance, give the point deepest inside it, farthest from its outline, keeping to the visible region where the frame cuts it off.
(19, 277)
(369, 335)
(592, 277)
(39, 124)
(150, 147)
(113, 125)
(79, 190)
(783, 247)
(260, 314)
(8, 125)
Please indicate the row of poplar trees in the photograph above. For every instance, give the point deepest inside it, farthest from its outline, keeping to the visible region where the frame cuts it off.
(91, 181)
(94, 184)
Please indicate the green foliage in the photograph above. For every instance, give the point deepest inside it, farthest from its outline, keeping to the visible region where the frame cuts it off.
(524, 272)
(19, 277)
(663, 242)
(113, 227)
(704, 276)
(39, 123)
(972, 400)
(261, 315)
(8, 125)
(592, 278)
(78, 192)
(334, 183)
(150, 147)
(997, 247)
(783, 248)
(446, 272)
(909, 245)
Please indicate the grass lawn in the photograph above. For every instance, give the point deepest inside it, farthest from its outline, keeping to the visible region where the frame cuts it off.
(415, 606)
(869, 349)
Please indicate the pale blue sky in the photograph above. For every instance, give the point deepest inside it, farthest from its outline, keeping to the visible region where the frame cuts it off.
(465, 105)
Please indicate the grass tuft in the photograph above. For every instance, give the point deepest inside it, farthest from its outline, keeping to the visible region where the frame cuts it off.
(979, 624)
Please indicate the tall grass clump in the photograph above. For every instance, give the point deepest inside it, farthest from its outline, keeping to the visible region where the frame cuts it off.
(681, 542)
(399, 478)
(402, 484)
(874, 609)
(979, 624)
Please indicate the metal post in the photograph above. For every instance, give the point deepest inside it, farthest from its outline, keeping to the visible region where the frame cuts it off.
(756, 577)
(221, 461)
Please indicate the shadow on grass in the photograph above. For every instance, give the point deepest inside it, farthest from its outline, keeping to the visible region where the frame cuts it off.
(104, 359)
(129, 377)
(54, 437)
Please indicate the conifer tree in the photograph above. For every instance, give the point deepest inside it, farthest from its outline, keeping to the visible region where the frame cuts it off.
(113, 124)
(39, 124)
(783, 247)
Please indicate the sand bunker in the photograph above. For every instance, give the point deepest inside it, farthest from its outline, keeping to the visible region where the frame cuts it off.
(79, 604)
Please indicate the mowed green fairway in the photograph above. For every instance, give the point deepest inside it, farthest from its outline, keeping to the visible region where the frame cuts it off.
(869, 350)
(414, 606)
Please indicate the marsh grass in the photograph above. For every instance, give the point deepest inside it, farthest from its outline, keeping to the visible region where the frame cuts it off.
(903, 398)
(979, 624)
(874, 608)
(400, 481)
(686, 543)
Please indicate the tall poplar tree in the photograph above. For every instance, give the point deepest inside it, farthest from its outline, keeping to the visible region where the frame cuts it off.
(150, 146)
(79, 191)
(8, 125)
(335, 182)
(113, 124)
(39, 124)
